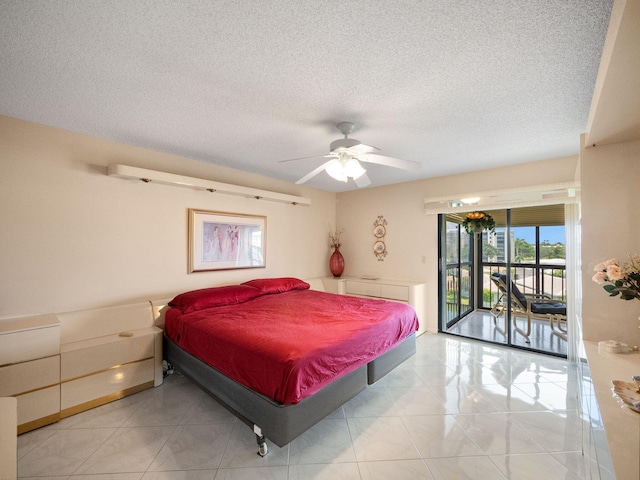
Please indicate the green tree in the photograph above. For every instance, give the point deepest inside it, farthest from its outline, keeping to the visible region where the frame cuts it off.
(552, 251)
(524, 250)
(559, 251)
(489, 252)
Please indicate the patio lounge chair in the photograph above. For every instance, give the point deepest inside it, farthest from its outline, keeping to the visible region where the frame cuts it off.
(530, 307)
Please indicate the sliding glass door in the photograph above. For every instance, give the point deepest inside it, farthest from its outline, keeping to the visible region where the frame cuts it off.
(456, 264)
(528, 249)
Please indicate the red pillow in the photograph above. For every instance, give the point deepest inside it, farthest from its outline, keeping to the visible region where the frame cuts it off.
(214, 297)
(277, 285)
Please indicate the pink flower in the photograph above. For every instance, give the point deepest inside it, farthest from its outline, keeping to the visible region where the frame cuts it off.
(614, 272)
(602, 266)
(621, 281)
(599, 278)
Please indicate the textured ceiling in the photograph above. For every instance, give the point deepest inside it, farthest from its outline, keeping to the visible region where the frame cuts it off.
(455, 85)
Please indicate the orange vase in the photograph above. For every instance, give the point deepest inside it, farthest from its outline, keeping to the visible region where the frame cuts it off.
(336, 262)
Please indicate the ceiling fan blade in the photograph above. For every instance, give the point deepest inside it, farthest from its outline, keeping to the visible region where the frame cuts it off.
(313, 173)
(304, 158)
(362, 181)
(390, 161)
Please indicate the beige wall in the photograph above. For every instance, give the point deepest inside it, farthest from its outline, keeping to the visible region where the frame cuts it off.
(412, 236)
(74, 238)
(610, 177)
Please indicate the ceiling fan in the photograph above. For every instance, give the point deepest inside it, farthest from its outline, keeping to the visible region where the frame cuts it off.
(345, 156)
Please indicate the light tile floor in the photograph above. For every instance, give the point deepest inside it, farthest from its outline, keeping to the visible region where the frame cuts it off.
(479, 324)
(458, 409)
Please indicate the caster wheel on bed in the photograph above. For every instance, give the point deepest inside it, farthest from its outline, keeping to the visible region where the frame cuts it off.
(262, 444)
(262, 441)
(262, 449)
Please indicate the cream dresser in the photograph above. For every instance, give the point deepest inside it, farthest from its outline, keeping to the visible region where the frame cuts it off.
(30, 368)
(401, 291)
(8, 438)
(106, 354)
(57, 365)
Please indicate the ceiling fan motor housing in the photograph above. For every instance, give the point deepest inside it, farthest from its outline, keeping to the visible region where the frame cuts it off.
(343, 144)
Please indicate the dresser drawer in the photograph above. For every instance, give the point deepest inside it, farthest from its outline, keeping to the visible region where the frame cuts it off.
(104, 386)
(39, 407)
(363, 288)
(27, 376)
(28, 338)
(115, 350)
(395, 292)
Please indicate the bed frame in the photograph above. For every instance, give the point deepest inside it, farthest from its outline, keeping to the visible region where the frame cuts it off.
(282, 423)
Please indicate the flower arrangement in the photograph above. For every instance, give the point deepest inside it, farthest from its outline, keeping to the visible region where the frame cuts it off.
(477, 222)
(334, 238)
(616, 279)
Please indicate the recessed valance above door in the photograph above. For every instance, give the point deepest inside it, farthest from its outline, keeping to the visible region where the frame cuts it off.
(492, 200)
(549, 215)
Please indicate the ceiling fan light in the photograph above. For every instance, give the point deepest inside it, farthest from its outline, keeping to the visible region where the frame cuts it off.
(353, 169)
(336, 170)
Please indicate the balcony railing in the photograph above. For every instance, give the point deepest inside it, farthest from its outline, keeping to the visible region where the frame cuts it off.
(457, 286)
(539, 279)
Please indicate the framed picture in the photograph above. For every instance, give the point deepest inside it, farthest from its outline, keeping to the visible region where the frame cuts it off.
(224, 241)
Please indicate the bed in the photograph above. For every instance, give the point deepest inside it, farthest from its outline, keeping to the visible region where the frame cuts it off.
(281, 356)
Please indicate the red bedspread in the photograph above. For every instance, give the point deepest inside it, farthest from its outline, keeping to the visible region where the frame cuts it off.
(289, 345)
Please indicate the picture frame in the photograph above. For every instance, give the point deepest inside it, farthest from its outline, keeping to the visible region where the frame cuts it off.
(226, 241)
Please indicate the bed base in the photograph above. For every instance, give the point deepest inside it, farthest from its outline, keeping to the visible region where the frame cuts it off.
(269, 419)
(379, 367)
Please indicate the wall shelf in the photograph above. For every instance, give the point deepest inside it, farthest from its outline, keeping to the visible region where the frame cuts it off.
(149, 176)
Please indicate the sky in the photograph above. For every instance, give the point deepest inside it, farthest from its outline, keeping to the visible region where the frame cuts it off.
(553, 234)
